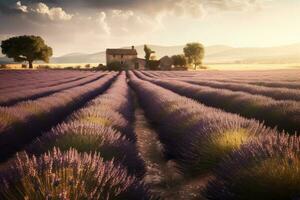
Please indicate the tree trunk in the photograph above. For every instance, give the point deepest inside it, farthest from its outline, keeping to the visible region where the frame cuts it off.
(30, 64)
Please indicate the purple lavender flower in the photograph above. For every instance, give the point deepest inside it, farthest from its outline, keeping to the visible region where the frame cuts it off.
(48, 177)
(266, 169)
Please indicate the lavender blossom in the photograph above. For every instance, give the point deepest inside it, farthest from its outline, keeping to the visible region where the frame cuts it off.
(266, 169)
(68, 175)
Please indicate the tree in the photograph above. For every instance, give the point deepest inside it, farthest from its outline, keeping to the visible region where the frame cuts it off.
(194, 53)
(148, 53)
(179, 60)
(26, 48)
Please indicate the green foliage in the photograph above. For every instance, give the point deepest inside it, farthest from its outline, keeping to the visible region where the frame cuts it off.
(26, 48)
(194, 53)
(100, 67)
(153, 64)
(148, 53)
(117, 66)
(43, 67)
(179, 60)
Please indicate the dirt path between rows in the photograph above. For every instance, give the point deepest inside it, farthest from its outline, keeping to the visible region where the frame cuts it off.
(162, 175)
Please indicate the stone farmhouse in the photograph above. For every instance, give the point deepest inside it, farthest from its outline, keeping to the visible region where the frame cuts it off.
(126, 57)
(129, 57)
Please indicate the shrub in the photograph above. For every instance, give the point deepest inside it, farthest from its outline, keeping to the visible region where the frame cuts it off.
(104, 116)
(117, 66)
(68, 175)
(195, 136)
(179, 60)
(153, 64)
(43, 67)
(268, 169)
(206, 153)
(91, 138)
(100, 67)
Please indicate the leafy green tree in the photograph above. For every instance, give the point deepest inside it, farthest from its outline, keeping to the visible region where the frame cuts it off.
(148, 53)
(194, 53)
(26, 48)
(179, 60)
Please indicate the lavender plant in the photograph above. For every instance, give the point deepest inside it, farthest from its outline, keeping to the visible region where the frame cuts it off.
(266, 169)
(196, 136)
(281, 114)
(91, 138)
(11, 98)
(35, 116)
(275, 93)
(68, 175)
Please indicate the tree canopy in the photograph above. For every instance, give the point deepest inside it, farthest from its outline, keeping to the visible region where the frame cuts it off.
(179, 60)
(26, 48)
(148, 52)
(194, 53)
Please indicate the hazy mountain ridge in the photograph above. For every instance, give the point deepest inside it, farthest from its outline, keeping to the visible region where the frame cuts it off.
(214, 54)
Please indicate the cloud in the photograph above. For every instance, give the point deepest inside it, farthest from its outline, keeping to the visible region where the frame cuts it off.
(103, 24)
(94, 24)
(21, 7)
(194, 8)
(236, 5)
(55, 13)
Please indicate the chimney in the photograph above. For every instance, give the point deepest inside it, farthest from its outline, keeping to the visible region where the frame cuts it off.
(132, 47)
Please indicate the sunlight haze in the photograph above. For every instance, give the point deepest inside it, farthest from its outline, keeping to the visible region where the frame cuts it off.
(92, 26)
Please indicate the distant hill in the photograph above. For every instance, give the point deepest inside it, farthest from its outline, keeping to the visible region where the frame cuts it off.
(280, 54)
(214, 54)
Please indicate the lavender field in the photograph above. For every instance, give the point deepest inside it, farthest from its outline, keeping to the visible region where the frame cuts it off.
(211, 135)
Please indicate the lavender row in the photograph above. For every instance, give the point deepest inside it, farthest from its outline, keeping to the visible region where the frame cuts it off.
(46, 82)
(260, 80)
(245, 160)
(281, 114)
(266, 169)
(27, 78)
(274, 93)
(69, 175)
(93, 146)
(195, 136)
(273, 84)
(19, 124)
(9, 99)
(271, 75)
(101, 126)
(263, 169)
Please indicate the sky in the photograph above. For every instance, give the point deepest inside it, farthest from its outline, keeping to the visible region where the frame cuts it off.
(93, 25)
